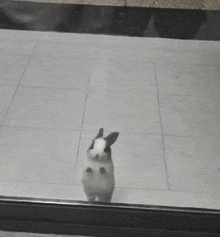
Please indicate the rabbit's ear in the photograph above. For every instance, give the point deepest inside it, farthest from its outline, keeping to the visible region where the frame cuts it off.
(111, 138)
(100, 134)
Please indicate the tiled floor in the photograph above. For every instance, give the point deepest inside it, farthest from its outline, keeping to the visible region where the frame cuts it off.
(161, 95)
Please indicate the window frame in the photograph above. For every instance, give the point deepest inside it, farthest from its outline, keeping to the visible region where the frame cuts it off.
(98, 219)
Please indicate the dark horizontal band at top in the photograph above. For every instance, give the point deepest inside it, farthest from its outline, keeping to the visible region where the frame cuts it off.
(184, 4)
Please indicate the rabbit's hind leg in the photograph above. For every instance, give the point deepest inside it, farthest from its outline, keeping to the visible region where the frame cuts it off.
(105, 197)
(91, 197)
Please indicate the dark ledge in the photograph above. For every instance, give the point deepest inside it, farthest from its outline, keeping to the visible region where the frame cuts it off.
(83, 218)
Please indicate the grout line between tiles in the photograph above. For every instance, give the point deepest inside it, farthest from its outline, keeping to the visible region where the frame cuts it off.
(83, 118)
(12, 98)
(161, 126)
(80, 136)
(117, 187)
(74, 129)
(18, 86)
(52, 128)
(115, 91)
(170, 191)
(90, 90)
(186, 95)
(54, 87)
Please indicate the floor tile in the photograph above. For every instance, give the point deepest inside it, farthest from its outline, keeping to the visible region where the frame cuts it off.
(117, 49)
(166, 198)
(38, 155)
(120, 195)
(39, 151)
(12, 60)
(17, 47)
(121, 75)
(161, 50)
(189, 52)
(138, 160)
(191, 79)
(2, 189)
(65, 50)
(6, 95)
(193, 163)
(12, 68)
(40, 107)
(188, 115)
(126, 112)
(44, 190)
(60, 73)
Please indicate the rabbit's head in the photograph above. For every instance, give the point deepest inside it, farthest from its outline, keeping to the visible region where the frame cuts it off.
(100, 149)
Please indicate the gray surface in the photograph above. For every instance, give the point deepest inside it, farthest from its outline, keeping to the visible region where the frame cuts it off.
(161, 95)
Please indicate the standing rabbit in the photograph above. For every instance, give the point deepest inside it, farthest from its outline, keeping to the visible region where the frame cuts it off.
(98, 176)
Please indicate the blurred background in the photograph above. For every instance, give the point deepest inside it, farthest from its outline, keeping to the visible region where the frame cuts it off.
(131, 21)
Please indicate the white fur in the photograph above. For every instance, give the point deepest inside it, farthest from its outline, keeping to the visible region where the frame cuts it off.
(99, 146)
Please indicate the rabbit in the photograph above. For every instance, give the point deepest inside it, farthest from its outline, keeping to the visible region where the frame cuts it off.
(98, 176)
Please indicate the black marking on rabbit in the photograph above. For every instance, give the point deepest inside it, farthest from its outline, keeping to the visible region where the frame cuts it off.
(89, 170)
(102, 170)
